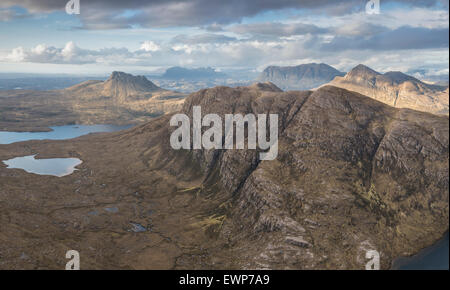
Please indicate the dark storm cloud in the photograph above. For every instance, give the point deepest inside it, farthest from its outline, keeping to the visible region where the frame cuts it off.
(401, 38)
(165, 13)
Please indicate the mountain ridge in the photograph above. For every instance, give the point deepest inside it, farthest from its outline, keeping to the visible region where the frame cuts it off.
(396, 89)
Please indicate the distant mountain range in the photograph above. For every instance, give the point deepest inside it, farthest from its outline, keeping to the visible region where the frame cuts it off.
(396, 89)
(180, 73)
(301, 77)
(124, 98)
(121, 99)
(41, 83)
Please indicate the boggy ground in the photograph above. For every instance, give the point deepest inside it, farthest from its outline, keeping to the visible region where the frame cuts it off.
(352, 175)
(115, 211)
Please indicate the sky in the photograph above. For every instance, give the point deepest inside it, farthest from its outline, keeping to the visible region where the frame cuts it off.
(137, 36)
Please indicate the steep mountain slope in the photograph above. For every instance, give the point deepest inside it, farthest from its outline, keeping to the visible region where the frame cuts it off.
(396, 89)
(302, 77)
(352, 175)
(121, 99)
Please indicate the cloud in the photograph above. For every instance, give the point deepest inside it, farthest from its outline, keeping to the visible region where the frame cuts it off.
(6, 14)
(358, 28)
(111, 14)
(248, 54)
(16, 55)
(221, 50)
(214, 27)
(10, 14)
(277, 29)
(69, 54)
(150, 46)
(217, 54)
(403, 38)
(202, 38)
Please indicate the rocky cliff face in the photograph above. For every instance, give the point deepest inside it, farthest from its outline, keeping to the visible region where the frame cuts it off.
(122, 85)
(302, 77)
(396, 89)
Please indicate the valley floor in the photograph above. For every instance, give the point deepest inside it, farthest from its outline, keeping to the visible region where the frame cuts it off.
(115, 213)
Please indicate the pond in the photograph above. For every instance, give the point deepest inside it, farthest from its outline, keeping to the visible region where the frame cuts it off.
(55, 166)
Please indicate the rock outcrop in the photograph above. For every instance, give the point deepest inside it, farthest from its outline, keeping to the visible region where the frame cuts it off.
(118, 86)
(396, 89)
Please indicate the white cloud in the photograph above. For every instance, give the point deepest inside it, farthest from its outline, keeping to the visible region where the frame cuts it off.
(184, 48)
(42, 53)
(69, 51)
(150, 46)
(16, 55)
